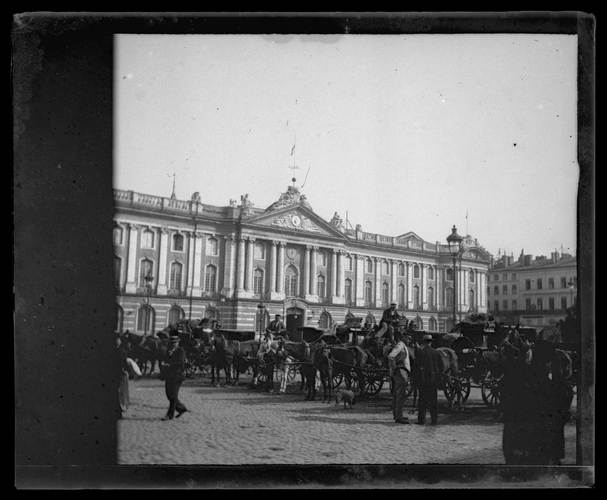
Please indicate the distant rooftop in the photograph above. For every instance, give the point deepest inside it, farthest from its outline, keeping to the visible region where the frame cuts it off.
(526, 261)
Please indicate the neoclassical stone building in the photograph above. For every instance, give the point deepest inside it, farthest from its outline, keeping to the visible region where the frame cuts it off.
(176, 259)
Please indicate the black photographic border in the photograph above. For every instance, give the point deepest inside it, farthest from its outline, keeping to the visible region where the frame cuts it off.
(62, 93)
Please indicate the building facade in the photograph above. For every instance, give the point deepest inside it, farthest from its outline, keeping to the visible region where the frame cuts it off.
(179, 259)
(535, 292)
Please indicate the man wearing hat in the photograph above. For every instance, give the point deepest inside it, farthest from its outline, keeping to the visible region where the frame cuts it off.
(428, 378)
(277, 327)
(390, 317)
(174, 375)
(400, 369)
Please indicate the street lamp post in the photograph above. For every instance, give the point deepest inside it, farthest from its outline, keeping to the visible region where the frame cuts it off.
(455, 249)
(261, 310)
(148, 292)
(196, 199)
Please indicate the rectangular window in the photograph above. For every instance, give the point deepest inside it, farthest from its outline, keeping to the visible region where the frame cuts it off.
(563, 303)
(551, 283)
(505, 277)
(513, 276)
(495, 277)
(505, 289)
(497, 306)
(528, 304)
(514, 305)
(527, 284)
(540, 304)
(563, 282)
(505, 305)
(513, 289)
(539, 283)
(551, 303)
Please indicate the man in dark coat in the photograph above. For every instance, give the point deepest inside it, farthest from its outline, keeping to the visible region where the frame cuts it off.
(277, 327)
(400, 369)
(174, 375)
(390, 315)
(428, 366)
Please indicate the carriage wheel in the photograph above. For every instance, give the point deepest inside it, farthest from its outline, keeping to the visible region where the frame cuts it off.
(466, 385)
(374, 384)
(490, 390)
(453, 391)
(354, 382)
(337, 380)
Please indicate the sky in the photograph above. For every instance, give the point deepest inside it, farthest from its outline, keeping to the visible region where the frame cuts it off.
(402, 132)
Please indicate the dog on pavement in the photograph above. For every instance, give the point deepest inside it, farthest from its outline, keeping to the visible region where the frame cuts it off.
(345, 396)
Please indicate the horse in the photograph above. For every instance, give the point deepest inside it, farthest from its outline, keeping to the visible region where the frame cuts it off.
(221, 358)
(148, 349)
(349, 362)
(244, 357)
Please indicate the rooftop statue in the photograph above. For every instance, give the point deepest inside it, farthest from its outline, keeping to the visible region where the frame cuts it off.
(291, 197)
(337, 221)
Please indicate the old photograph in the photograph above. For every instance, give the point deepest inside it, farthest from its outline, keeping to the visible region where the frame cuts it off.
(344, 243)
(320, 250)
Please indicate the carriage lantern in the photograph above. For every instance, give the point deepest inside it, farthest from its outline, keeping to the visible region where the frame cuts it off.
(455, 242)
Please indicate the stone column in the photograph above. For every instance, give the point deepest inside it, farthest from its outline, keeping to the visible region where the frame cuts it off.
(131, 270)
(377, 264)
(313, 296)
(359, 295)
(393, 284)
(339, 285)
(424, 289)
(228, 266)
(409, 285)
(248, 285)
(273, 267)
(466, 281)
(162, 261)
(280, 274)
(439, 288)
(306, 272)
(333, 277)
(240, 267)
(190, 264)
(199, 241)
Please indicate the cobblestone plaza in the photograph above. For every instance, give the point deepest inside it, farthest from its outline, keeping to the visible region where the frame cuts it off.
(237, 425)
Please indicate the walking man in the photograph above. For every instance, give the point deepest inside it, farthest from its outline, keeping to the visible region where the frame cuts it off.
(428, 377)
(174, 375)
(400, 369)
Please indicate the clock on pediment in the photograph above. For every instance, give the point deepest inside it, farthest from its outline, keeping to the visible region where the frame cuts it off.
(296, 220)
(291, 253)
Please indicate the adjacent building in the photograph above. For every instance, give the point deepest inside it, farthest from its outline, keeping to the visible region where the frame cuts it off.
(536, 292)
(179, 259)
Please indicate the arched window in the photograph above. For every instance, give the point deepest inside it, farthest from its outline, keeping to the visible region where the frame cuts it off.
(258, 282)
(449, 297)
(368, 293)
(320, 286)
(419, 322)
(430, 273)
(325, 320)
(175, 278)
(348, 263)
(369, 266)
(432, 325)
(145, 269)
(210, 278)
(471, 276)
(117, 271)
(212, 246)
(416, 297)
(145, 319)
(401, 295)
(471, 300)
(291, 282)
(401, 269)
(260, 251)
(385, 268)
(430, 297)
(348, 290)
(416, 271)
(385, 294)
(118, 232)
(177, 242)
(119, 318)
(147, 239)
(176, 314)
(449, 274)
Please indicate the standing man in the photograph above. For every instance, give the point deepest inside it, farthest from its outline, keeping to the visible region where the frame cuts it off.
(267, 357)
(277, 327)
(174, 375)
(400, 369)
(428, 365)
(123, 388)
(390, 317)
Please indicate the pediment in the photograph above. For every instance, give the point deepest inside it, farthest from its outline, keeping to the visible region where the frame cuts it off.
(476, 254)
(297, 219)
